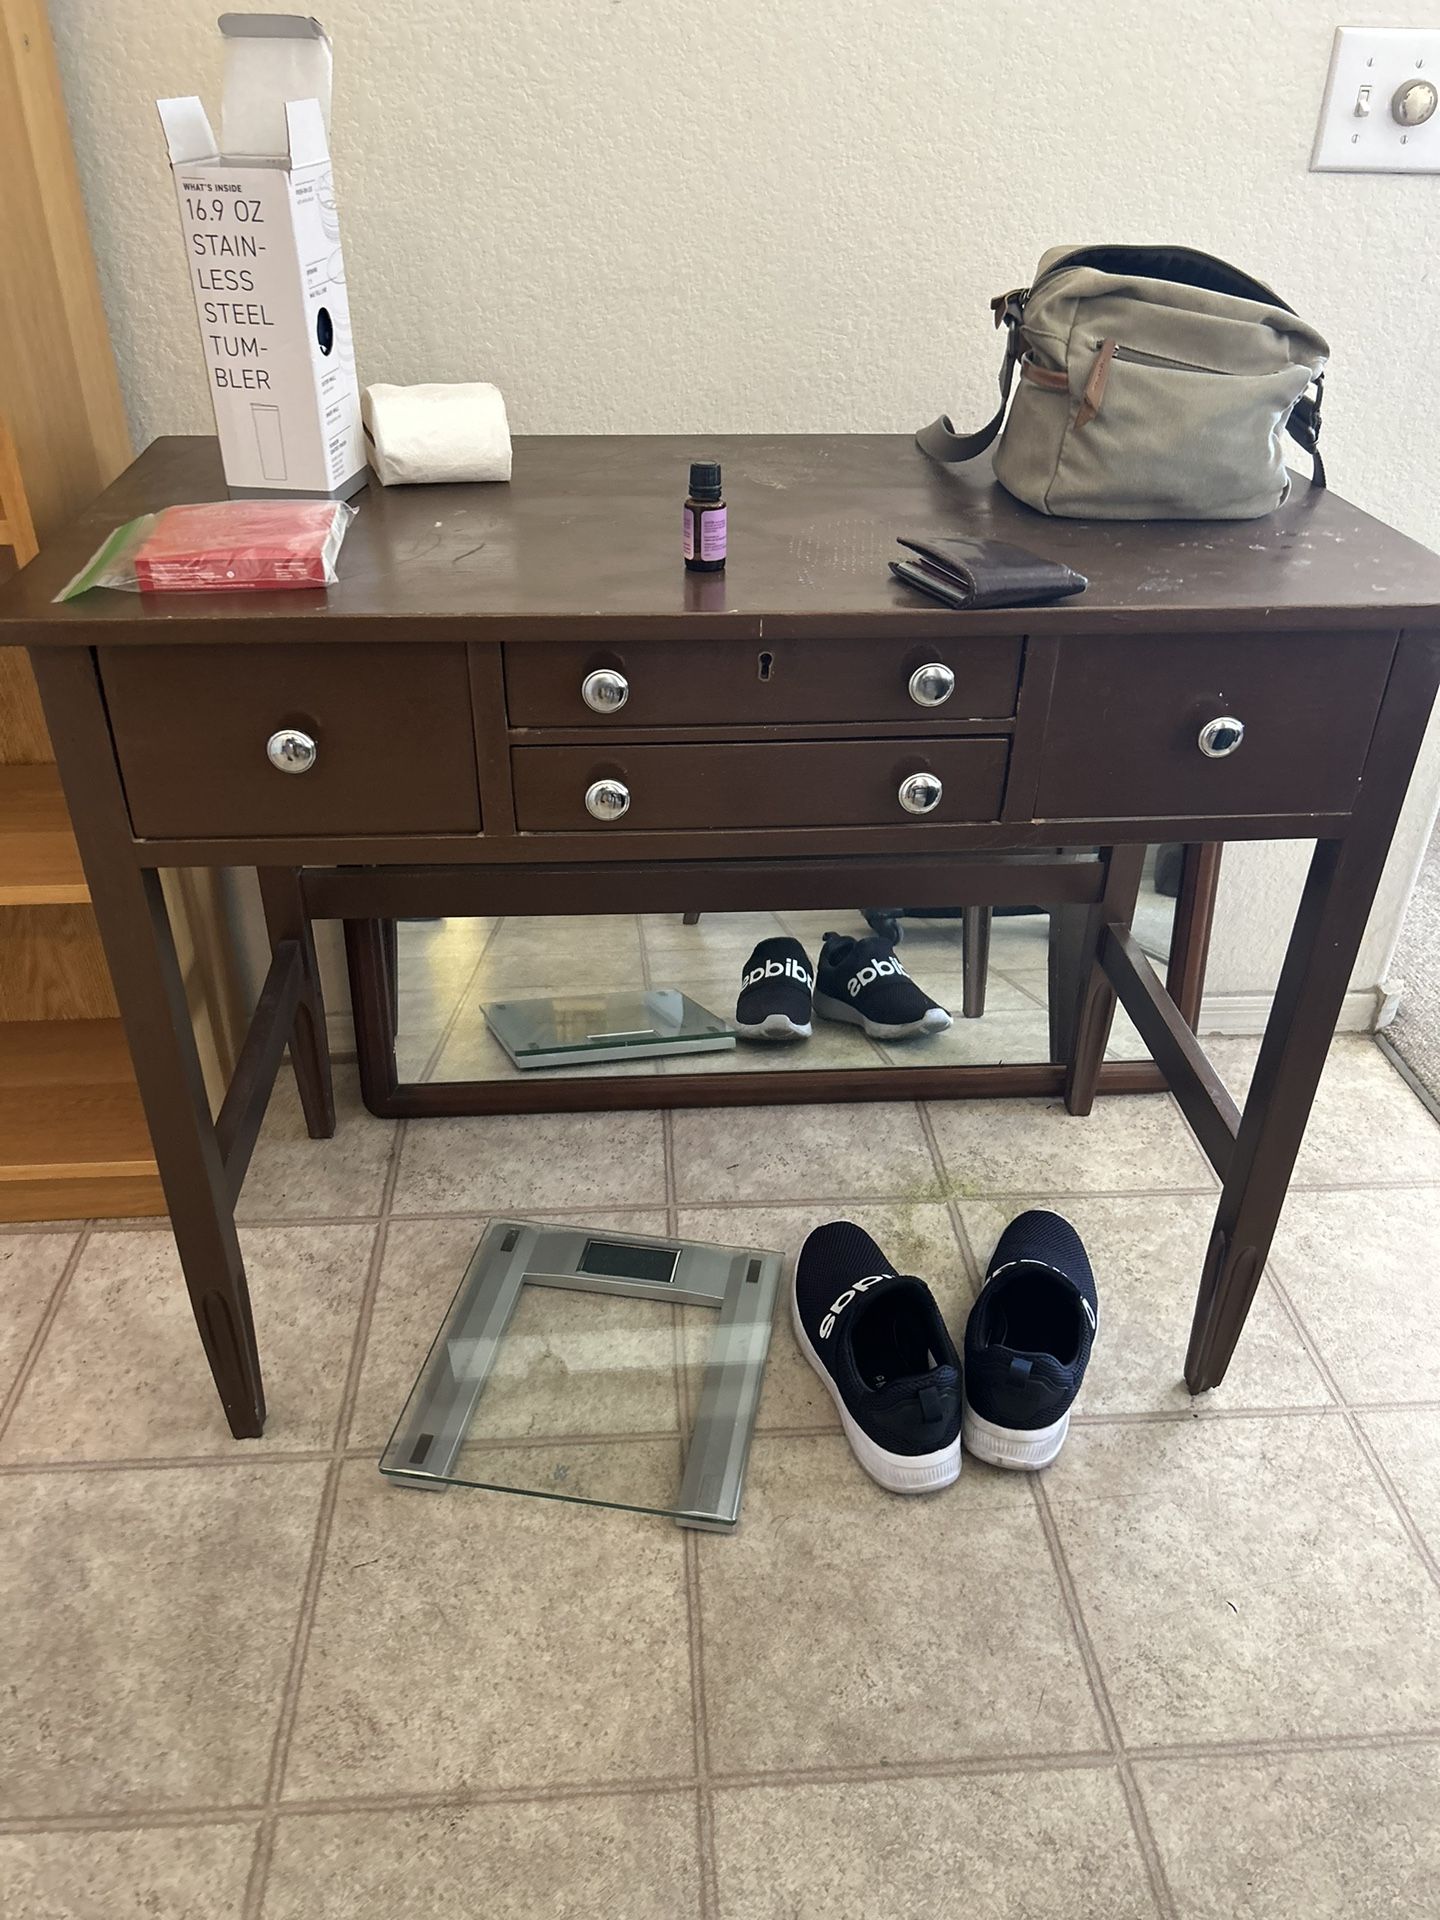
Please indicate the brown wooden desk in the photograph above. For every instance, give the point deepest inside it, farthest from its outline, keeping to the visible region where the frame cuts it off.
(769, 726)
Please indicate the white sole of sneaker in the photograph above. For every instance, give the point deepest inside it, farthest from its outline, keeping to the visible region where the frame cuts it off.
(896, 1472)
(934, 1020)
(775, 1026)
(1024, 1449)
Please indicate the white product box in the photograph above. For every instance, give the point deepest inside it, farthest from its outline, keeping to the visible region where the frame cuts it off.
(263, 246)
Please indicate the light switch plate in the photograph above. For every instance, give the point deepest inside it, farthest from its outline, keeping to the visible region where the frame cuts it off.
(1358, 131)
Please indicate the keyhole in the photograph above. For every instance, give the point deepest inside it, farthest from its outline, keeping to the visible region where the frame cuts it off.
(767, 661)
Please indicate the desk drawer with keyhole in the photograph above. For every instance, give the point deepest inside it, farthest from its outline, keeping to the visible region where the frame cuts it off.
(800, 783)
(1175, 725)
(696, 683)
(221, 741)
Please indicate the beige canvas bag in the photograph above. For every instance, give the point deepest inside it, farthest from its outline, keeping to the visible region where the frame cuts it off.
(1154, 383)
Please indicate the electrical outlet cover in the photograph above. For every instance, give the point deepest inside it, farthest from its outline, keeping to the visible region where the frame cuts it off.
(1358, 131)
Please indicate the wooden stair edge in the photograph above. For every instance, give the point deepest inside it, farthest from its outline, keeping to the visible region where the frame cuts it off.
(73, 1139)
(39, 860)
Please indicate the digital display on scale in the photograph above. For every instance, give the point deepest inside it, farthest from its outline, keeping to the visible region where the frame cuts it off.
(619, 1261)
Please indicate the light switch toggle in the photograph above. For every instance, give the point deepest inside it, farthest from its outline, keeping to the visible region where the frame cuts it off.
(1362, 104)
(1414, 103)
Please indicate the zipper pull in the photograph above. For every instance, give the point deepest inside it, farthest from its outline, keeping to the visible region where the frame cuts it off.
(1095, 386)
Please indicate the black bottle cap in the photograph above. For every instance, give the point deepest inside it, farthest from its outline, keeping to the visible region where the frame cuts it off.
(704, 480)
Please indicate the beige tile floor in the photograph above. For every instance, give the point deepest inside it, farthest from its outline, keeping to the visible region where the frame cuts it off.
(1192, 1672)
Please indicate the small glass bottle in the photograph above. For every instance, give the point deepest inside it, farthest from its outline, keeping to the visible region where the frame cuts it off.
(705, 528)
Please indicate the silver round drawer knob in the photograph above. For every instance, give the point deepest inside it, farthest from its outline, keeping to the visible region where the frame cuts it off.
(920, 793)
(607, 799)
(605, 691)
(932, 685)
(1220, 738)
(291, 751)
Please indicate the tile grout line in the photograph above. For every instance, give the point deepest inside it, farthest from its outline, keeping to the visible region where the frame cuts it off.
(1368, 1450)
(968, 1263)
(1176, 1416)
(158, 1223)
(700, 1726)
(1139, 1819)
(1110, 1725)
(310, 1594)
(707, 1903)
(436, 1053)
(1080, 1760)
(27, 1366)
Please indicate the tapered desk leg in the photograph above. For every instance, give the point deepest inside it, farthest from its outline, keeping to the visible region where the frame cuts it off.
(135, 930)
(1328, 928)
(1094, 1009)
(1326, 937)
(286, 919)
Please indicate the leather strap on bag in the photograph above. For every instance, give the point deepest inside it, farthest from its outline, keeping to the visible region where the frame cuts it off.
(940, 439)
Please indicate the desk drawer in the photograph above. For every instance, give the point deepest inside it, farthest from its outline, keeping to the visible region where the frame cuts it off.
(798, 784)
(781, 683)
(1123, 738)
(395, 750)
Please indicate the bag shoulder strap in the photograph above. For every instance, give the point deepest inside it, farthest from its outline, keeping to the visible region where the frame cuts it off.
(940, 439)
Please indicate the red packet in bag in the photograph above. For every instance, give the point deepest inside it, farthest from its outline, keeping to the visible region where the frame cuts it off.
(231, 545)
(240, 544)
(220, 546)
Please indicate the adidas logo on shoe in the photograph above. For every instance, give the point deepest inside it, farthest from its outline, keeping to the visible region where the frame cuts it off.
(775, 988)
(880, 970)
(837, 1307)
(788, 969)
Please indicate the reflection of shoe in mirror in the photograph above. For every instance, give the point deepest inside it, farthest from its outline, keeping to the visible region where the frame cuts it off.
(878, 1342)
(1027, 1343)
(861, 982)
(775, 988)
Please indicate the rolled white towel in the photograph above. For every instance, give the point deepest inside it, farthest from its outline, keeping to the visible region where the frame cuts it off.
(417, 436)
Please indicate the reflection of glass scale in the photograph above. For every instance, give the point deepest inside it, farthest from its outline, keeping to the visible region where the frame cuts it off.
(573, 1029)
(738, 1283)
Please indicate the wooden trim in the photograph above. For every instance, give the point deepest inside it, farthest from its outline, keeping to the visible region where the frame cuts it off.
(346, 893)
(759, 844)
(1203, 1096)
(1036, 1079)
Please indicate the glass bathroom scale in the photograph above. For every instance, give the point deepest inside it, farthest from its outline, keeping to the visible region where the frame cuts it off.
(613, 1369)
(573, 1029)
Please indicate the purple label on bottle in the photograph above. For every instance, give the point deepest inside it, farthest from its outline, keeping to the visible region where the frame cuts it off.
(687, 534)
(713, 534)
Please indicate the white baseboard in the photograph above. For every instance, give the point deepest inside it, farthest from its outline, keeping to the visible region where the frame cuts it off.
(1248, 1012)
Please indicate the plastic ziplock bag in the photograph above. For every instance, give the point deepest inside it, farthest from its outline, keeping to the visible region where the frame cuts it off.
(221, 546)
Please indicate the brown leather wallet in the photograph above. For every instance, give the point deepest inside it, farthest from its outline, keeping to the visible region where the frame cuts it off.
(964, 572)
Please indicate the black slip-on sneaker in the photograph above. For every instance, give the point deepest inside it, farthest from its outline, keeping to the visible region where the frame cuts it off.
(861, 981)
(1027, 1343)
(876, 1339)
(775, 987)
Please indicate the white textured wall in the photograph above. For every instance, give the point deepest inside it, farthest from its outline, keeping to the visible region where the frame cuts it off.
(789, 215)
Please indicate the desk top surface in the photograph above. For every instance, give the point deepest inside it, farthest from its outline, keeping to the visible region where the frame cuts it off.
(585, 542)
